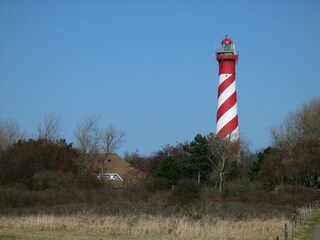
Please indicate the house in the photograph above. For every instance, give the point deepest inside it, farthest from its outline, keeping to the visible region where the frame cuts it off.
(116, 165)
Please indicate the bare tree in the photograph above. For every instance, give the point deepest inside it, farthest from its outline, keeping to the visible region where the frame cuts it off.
(297, 141)
(299, 126)
(112, 139)
(10, 133)
(88, 135)
(223, 157)
(50, 129)
(96, 143)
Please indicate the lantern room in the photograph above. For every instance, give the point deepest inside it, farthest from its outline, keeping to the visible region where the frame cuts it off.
(227, 47)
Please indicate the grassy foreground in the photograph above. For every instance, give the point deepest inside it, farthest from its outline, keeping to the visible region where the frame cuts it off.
(134, 213)
(136, 227)
(305, 231)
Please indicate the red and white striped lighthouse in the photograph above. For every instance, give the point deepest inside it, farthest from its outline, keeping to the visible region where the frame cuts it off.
(227, 115)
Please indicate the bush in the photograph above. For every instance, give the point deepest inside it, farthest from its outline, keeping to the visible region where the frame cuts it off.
(20, 196)
(187, 191)
(296, 195)
(89, 180)
(19, 163)
(237, 187)
(53, 180)
(154, 184)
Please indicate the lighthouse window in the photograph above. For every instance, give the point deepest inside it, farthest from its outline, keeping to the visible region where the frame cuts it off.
(226, 47)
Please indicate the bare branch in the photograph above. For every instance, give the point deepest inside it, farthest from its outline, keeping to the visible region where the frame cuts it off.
(112, 139)
(88, 135)
(9, 133)
(50, 129)
(222, 157)
(299, 126)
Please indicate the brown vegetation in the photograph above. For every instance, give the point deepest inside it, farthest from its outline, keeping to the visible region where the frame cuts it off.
(147, 225)
(47, 185)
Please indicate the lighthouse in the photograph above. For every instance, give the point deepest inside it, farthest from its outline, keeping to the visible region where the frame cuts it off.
(227, 113)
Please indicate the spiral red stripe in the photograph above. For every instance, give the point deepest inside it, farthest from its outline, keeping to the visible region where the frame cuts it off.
(230, 126)
(225, 84)
(231, 101)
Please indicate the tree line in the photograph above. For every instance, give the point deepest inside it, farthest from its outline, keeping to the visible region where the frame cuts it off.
(292, 159)
(46, 161)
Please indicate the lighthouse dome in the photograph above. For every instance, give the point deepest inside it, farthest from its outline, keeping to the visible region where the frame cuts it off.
(227, 41)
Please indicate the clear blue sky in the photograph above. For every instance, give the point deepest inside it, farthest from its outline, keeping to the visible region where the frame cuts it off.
(148, 66)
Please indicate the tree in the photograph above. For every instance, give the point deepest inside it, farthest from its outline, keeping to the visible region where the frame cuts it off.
(10, 133)
(296, 144)
(299, 126)
(88, 135)
(302, 163)
(256, 166)
(272, 172)
(197, 163)
(149, 164)
(87, 138)
(169, 169)
(96, 143)
(245, 156)
(141, 163)
(112, 139)
(222, 157)
(50, 129)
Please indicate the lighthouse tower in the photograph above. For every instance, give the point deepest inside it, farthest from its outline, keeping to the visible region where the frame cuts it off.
(227, 115)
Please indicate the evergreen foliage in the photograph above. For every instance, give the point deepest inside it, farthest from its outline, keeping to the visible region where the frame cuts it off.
(198, 161)
(169, 169)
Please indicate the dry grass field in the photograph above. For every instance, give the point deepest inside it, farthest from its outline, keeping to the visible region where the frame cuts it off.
(86, 226)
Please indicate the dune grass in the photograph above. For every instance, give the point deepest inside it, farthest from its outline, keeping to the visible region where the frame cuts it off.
(134, 213)
(136, 227)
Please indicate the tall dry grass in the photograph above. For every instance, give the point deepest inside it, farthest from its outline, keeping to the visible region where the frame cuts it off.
(146, 225)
